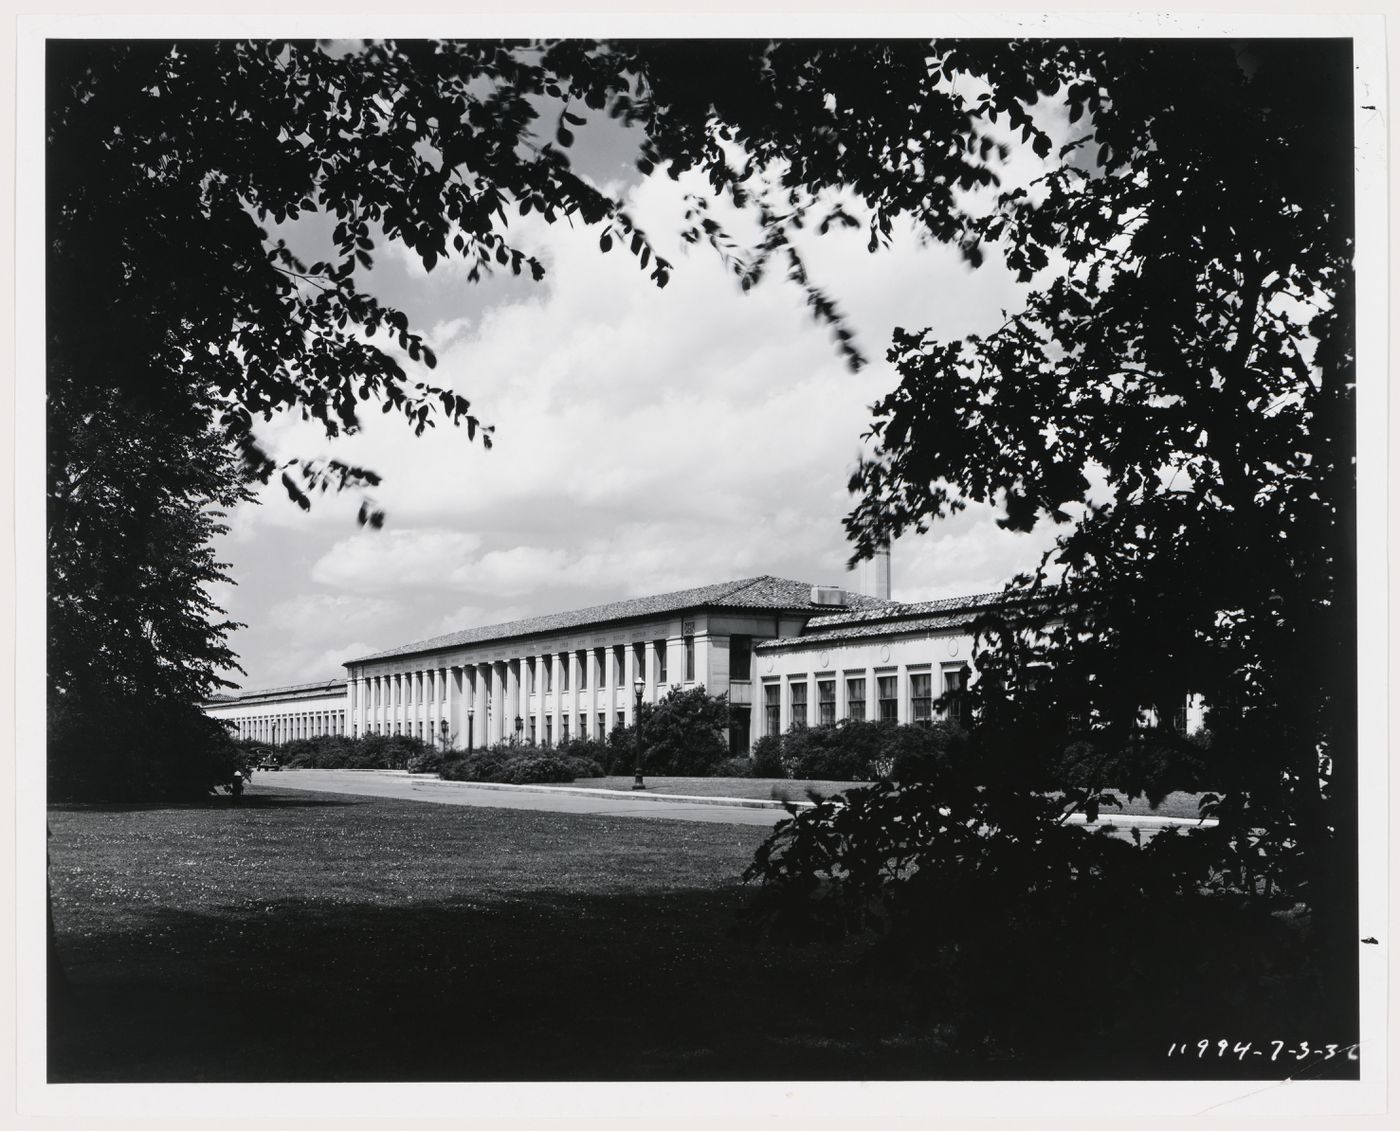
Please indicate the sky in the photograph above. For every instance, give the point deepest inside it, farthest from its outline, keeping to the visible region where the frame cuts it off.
(645, 440)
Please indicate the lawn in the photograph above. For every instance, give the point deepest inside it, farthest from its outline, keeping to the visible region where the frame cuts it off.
(315, 937)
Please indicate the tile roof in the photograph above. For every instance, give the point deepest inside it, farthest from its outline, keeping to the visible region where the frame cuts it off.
(776, 593)
(915, 616)
(327, 686)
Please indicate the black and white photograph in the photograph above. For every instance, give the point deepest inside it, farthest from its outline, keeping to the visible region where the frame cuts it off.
(840, 555)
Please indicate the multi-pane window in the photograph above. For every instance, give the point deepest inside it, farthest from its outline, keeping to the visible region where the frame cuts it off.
(600, 656)
(583, 671)
(534, 736)
(549, 732)
(887, 688)
(564, 671)
(582, 725)
(563, 728)
(660, 663)
(921, 697)
(740, 657)
(690, 659)
(772, 709)
(954, 685)
(621, 720)
(602, 725)
(826, 701)
(855, 698)
(798, 706)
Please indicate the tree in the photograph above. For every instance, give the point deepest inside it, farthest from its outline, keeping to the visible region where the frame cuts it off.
(176, 321)
(684, 732)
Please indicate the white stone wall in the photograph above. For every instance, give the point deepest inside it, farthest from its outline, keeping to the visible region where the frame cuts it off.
(283, 718)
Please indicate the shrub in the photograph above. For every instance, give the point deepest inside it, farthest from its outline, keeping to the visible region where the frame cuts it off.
(339, 752)
(685, 733)
(512, 765)
(732, 768)
(967, 894)
(767, 757)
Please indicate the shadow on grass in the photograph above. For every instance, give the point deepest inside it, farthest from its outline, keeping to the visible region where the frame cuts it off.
(253, 801)
(556, 986)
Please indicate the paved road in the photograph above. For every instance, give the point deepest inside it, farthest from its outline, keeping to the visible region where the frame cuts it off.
(396, 784)
(375, 783)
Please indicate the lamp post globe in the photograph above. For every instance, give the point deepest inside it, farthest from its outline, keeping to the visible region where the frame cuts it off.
(638, 685)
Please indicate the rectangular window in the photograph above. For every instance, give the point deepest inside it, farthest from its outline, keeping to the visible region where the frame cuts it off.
(660, 664)
(738, 731)
(771, 708)
(826, 702)
(619, 663)
(530, 677)
(564, 672)
(583, 671)
(921, 697)
(855, 698)
(798, 712)
(582, 725)
(621, 720)
(534, 737)
(600, 657)
(887, 687)
(602, 726)
(740, 657)
(548, 674)
(690, 659)
(563, 728)
(954, 684)
(549, 732)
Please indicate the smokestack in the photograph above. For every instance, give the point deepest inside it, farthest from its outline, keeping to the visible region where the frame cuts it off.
(881, 567)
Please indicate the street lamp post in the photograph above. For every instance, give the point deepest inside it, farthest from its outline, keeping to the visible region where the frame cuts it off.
(471, 730)
(519, 730)
(639, 685)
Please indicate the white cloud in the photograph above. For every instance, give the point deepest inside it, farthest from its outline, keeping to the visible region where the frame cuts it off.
(390, 561)
(646, 440)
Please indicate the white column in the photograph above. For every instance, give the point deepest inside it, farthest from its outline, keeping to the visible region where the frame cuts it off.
(629, 679)
(498, 701)
(512, 703)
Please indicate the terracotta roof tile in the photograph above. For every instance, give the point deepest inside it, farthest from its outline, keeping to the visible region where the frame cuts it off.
(777, 593)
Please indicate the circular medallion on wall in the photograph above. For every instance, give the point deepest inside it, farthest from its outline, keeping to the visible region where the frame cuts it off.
(824, 659)
(952, 647)
(884, 653)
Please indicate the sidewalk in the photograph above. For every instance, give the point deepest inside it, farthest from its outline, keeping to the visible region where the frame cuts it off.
(402, 785)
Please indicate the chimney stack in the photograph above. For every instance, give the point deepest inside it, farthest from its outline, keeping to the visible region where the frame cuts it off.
(881, 566)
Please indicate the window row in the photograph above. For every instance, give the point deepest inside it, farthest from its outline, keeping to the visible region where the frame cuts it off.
(886, 687)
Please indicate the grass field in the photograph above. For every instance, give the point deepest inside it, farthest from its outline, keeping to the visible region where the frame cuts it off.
(307, 937)
(315, 937)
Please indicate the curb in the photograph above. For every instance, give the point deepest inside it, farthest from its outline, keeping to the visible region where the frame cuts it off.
(617, 794)
(1105, 820)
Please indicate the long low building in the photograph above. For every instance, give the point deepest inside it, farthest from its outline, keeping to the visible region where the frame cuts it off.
(787, 654)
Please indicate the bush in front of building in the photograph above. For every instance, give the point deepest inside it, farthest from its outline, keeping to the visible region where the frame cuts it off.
(338, 752)
(517, 765)
(858, 750)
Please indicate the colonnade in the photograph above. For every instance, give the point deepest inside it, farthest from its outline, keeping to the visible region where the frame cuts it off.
(279, 726)
(543, 698)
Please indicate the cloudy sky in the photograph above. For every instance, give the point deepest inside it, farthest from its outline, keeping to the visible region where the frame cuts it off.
(645, 440)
